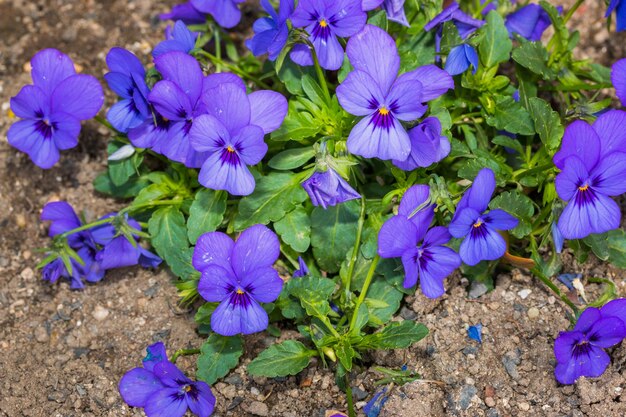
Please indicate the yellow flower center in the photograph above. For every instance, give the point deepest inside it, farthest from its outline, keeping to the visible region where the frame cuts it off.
(323, 23)
(584, 187)
(240, 291)
(478, 223)
(383, 111)
(187, 388)
(230, 149)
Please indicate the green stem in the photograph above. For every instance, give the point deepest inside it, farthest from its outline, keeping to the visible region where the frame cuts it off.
(363, 294)
(329, 326)
(292, 261)
(355, 251)
(320, 76)
(149, 204)
(218, 48)
(183, 352)
(86, 227)
(572, 10)
(218, 61)
(104, 122)
(555, 289)
(349, 398)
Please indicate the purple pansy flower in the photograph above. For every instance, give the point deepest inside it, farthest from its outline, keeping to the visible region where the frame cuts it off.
(374, 90)
(618, 78)
(529, 21)
(161, 389)
(239, 276)
(303, 269)
(185, 12)
(580, 352)
(231, 134)
(465, 24)
(393, 8)
(460, 58)
(328, 189)
(52, 108)
(428, 145)
(178, 98)
(271, 33)
(592, 160)
(178, 38)
(127, 79)
(407, 235)
(477, 226)
(56, 269)
(620, 13)
(325, 21)
(225, 12)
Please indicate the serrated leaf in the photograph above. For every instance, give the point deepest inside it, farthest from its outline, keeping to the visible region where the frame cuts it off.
(333, 233)
(508, 142)
(286, 358)
(534, 57)
(510, 116)
(274, 196)
(547, 123)
(150, 193)
(206, 213)
(204, 313)
(495, 46)
(617, 247)
(299, 124)
(518, 205)
(401, 335)
(313, 293)
(169, 239)
(599, 245)
(218, 355)
(382, 300)
(103, 184)
(295, 229)
(291, 158)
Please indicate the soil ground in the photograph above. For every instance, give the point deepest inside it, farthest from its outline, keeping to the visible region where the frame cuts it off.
(62, 352)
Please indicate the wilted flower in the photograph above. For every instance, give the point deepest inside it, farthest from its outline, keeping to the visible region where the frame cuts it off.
(325, 21)
(428, 145)
(393, 8)
(238, 275)
(185, 12)
(477, 226)
(303, 269)
(465, 24)
(271, 33)
(407, 235)
(460, 58)
(374, 90)
(52, 108)
(178, 38)
(225, 12)
(328, 189)
(592, 160)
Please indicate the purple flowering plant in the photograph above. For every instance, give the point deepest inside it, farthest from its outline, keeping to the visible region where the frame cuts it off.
(349, 153)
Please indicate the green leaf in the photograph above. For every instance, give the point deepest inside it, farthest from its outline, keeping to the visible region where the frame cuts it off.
(274, 196)
(547, 123)
(103, 184)
(286, 358)
(121, 171)
(518, 205)
(299, 124)
(206, 213)
(295, 229)
(599, 245)
(362, 317)
(617, 247)
(204, 313)
(218, 355)
(291, 158)
(382, 300)
(345, 353)
(169, 239)
(313, 90)
(313, 293)
(401, 335)
(379, 19)
(510, 116)
(333, 233)
(153, 192)
(534, 57)
(291, 75)
(509, 143)
(495, 46)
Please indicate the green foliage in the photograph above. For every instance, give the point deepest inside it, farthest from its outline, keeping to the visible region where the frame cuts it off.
(494, 46)
(218, 355)
(206, 213)
(282, 359)
(169, 238)
(333, 233)
(518, 205)
(295, 229)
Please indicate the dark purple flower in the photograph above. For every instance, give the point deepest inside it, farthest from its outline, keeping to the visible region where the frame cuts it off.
(153, 133)
(620, 13)
(592, 160)
(178, 38)
(618, 78)
(325, 21)
(56, 269)
(407, 235)
(428, 145)
(225, 12)
(373, 407)
(393, 8)
(178, 99)
(239, 276)
(162, 390)
(303, 270)
(52, 108)
(185, 12)
(460, 58)
(271, 33)
(374, 90)
(529, 21)
(127, 79)
(328, 189)
(477, 226)
(231, 134)
(615, 308)
(580, 352)
(465, 24)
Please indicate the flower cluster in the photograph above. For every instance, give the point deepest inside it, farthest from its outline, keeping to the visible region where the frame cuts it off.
(580, 352)
(161, 389)
(225, 12)
(98, 249)
(592, 160)
(238, 275)
(52, 108)
(407, 235)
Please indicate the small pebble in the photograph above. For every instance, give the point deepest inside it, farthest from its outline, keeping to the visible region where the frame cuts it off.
(533, 313)
(100, 313)
(524, 406)
(257, 408)
(523, 294)
(490, 402)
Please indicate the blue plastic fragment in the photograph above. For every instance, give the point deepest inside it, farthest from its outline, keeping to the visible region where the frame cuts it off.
(475, 332)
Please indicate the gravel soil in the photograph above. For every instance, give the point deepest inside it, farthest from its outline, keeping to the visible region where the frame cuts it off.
(62, 352)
